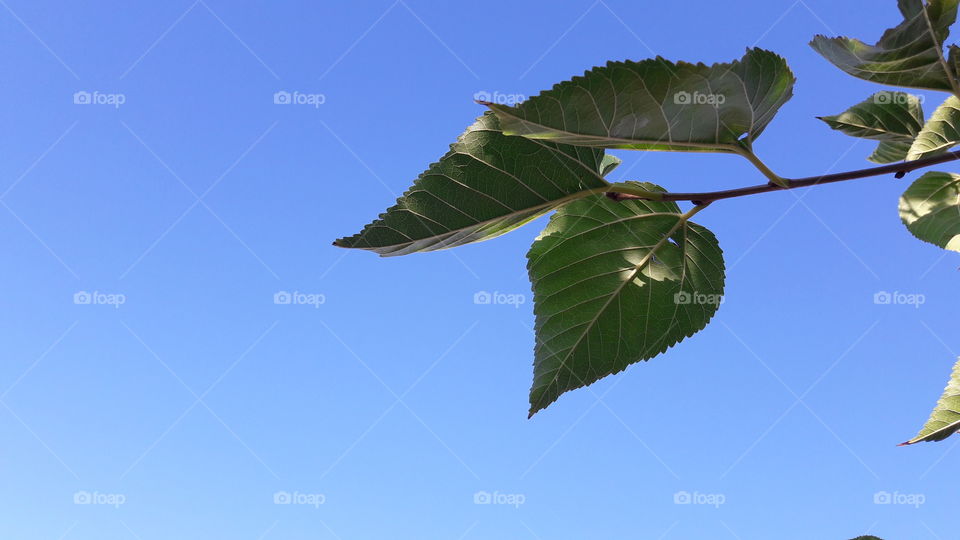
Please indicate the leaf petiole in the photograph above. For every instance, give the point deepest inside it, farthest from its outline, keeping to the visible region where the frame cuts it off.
(762, 167)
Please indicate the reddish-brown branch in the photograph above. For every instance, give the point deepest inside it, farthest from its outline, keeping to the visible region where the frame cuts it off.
(898, 169)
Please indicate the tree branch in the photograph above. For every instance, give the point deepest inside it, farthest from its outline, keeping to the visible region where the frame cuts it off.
(899, 169)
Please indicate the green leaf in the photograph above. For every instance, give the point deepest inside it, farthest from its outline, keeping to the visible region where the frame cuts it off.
(658, 105)
(486, 185)
(615, 283)
(940, 133)
(609, 163)
(945, 420)
(889, 152)
(930, 208)
(911, 54)
(893, 118)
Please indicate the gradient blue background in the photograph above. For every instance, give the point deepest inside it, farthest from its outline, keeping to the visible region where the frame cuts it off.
(399, 398)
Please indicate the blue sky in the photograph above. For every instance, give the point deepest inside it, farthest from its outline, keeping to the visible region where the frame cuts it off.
(182, 402)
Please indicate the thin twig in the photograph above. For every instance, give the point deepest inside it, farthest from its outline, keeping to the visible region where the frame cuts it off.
(898, 169)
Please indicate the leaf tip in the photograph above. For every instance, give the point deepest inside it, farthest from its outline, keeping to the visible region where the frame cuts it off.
(538, 402)
(342, 243)
(534, 409)
(491, 105)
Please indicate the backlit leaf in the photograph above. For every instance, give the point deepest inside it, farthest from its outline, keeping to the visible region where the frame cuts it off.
(910, 54)
(940, 133)
(486, 185)
(616, 283)
(658, 105)
(930, 208)
(893, 118)
(945, 419)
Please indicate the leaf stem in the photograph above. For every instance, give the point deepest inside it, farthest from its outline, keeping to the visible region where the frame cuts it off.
(899, 169)
(762, 167)
(626, 191)
(943, 61)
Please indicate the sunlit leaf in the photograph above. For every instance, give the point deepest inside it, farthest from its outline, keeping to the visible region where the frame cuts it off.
(945, 420)
(889, 152)
(893, 118)
(940, 133)
(910, 54)
(610, 162)
(930, 208)
(486, 185)
(658, 105)
(616, 283)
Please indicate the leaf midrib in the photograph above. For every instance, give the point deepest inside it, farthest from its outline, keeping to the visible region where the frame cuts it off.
(731, 147)
(479, 224)
(938, 46)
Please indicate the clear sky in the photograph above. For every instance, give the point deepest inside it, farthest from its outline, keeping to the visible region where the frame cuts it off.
(382, 402)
